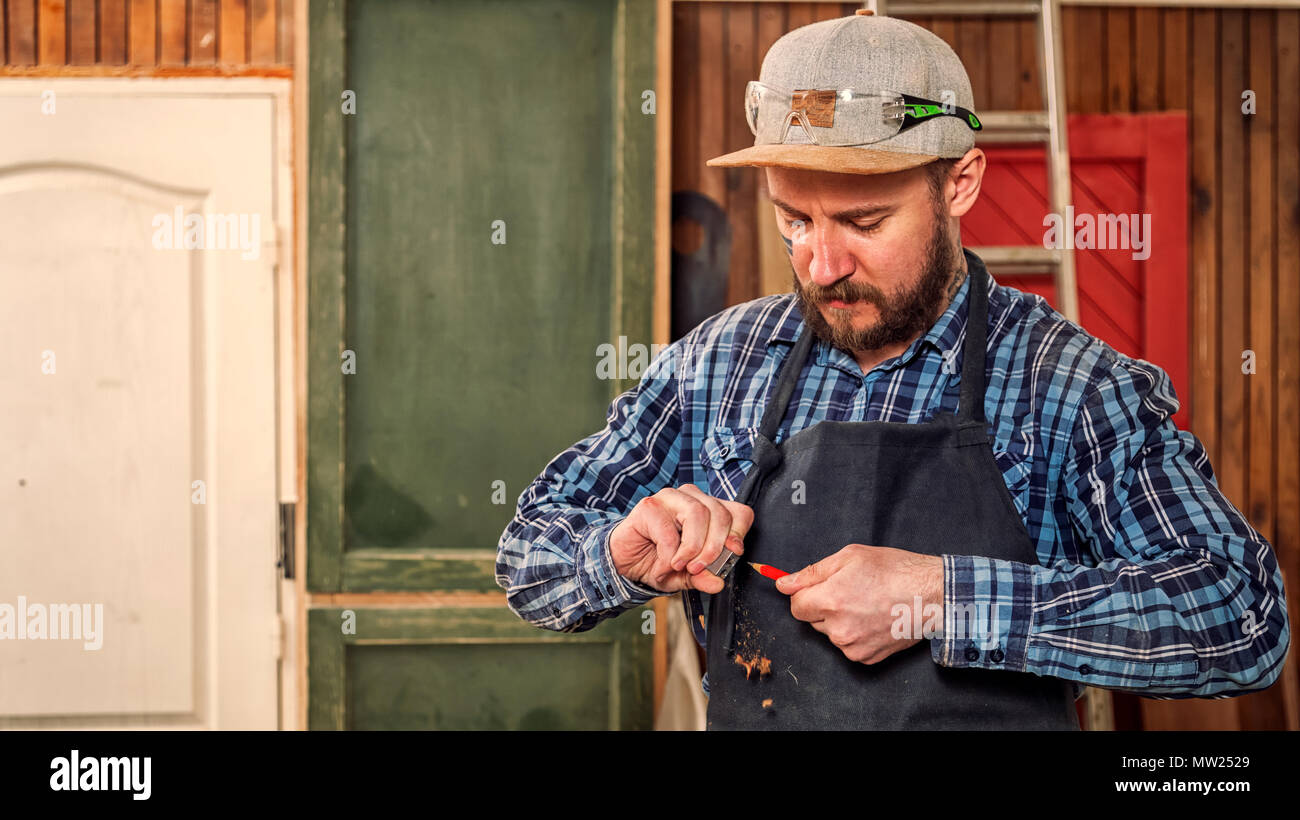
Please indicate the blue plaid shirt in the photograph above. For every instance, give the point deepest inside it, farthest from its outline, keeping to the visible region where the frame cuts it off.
(1148, 578)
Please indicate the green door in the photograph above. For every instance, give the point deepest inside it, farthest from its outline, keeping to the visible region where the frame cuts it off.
(480, 222)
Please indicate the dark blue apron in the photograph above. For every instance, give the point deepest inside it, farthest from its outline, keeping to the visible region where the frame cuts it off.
(931, 488)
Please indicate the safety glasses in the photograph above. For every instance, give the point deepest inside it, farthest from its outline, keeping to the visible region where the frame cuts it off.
(839, 117)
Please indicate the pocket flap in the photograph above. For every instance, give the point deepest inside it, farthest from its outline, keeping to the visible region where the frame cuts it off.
(726, 444)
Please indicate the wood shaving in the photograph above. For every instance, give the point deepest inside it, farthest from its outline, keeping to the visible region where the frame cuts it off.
(763, 665)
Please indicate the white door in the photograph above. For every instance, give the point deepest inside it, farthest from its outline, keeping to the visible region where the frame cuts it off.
(138, 404)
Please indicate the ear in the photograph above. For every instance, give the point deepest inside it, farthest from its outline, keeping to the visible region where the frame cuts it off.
(966, 176)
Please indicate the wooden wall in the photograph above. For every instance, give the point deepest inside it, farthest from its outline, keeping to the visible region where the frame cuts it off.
(1244, 218)
(97, 36)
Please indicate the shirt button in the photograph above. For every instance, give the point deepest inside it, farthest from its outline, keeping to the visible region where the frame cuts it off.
(555, 610)
(972, 654)
(1085, 670)
(996, 656)
(609, 589)
(725, 451)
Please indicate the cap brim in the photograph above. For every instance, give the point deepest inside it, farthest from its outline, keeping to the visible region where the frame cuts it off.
(835, 159)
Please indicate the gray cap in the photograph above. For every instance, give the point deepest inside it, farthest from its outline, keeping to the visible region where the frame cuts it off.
(867, 52)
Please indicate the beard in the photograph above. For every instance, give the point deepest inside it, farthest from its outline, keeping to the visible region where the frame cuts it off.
(903, 315)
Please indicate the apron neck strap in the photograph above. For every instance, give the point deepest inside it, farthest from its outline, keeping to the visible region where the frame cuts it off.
(789, 376)
(971, 403)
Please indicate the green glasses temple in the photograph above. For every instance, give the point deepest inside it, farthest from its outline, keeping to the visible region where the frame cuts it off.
(917, 111)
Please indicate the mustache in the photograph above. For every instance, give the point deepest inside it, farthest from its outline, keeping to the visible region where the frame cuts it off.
(844, 290)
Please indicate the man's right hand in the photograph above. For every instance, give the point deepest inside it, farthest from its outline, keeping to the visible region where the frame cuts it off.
(671, 536)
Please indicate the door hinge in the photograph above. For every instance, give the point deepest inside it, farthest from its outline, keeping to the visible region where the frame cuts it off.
(287, 530)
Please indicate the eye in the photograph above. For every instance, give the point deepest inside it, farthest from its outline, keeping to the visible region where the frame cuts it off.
(869, 228)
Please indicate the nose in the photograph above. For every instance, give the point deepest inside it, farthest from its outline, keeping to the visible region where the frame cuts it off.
(831, 260)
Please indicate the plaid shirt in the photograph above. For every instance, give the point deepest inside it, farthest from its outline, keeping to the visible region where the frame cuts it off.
(1148, 578)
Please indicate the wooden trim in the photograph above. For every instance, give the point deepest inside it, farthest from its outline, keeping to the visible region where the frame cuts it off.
(1059, 188)
(326, 280)
(326, 670)
(663, 171)
(51, 29)
(1287, 340)
(172, 42)
(262, 31)
(201, 33)
(370, 570)
(232, 43)
(20, 39)
(111, 38)
(634, 217)
(79, 30)
(637, 223)
(1260, 502)
(415, 600)
(284, 28)
(131, 71)
(660, 608)
(142, 44)
(300, 87)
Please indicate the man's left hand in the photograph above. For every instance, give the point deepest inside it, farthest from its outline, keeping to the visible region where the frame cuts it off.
(853, 595)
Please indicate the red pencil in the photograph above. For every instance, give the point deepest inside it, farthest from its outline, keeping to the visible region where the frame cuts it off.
(768, 572)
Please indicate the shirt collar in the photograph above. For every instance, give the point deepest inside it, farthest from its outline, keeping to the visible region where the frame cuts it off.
(945, 334)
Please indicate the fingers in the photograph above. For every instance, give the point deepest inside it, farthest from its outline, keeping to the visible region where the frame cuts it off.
(657, 523)
(804, 606)
(742, 517)
(692, 518)
(706, 582)
(811, 574)
(719, 532)
(687, 530)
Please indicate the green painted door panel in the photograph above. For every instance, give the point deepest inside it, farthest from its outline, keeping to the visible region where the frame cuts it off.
(474, 668)
(476, 361)
(486, 228)
(445, 366)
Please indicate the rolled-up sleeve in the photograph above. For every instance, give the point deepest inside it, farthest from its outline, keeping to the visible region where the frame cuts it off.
(553, 560)
(1177, 595)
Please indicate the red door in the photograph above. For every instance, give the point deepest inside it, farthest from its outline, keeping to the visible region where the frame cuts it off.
(1119, 164)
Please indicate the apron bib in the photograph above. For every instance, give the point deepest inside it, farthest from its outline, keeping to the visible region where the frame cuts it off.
(930, 488)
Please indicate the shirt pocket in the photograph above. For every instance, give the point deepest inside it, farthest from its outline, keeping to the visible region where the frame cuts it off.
(727, 456)
(1015, 461)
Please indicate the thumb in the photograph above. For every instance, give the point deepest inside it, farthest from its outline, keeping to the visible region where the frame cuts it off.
(806, 577)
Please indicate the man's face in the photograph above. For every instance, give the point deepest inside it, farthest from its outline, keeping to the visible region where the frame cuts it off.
(872, 254)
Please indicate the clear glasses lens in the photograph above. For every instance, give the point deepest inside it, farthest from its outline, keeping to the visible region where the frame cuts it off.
(843, 117)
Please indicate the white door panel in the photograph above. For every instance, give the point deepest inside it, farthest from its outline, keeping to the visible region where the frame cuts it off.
(163, 374)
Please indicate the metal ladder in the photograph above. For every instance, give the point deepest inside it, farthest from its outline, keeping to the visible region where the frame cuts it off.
(1046, 126)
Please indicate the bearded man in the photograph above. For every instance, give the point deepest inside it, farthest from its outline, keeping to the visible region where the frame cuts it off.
(983, 507)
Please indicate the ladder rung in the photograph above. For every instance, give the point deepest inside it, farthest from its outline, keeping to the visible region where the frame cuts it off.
(1014, 126)
(920, 8)
(1019, 259)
